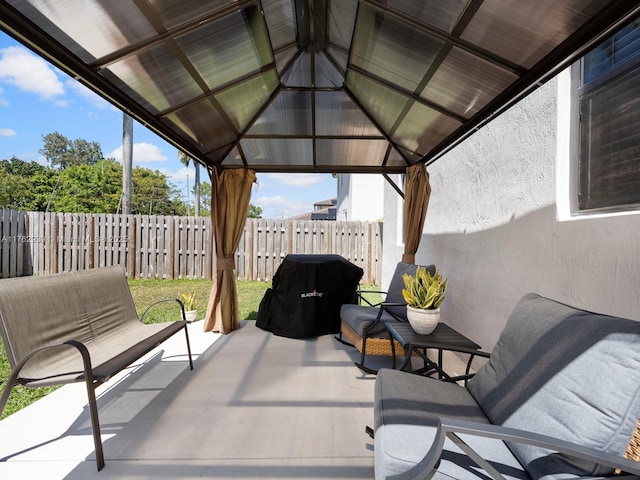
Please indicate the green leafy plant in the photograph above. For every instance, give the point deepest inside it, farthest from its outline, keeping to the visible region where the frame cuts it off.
(190, 300)
(423, 290)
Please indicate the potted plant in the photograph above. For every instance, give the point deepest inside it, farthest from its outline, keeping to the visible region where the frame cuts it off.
(424, 293)
(190, 303)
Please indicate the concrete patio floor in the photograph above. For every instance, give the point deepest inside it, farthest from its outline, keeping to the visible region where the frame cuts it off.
(255, 406)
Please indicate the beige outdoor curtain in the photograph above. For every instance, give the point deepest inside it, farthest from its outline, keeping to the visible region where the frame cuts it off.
(230, 194)
(416, 199)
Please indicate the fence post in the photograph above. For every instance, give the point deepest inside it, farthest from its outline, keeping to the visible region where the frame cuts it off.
(249, 264)
(91, 243)
(131, 246)
(208, 249)
(172, 247)
(55, 230)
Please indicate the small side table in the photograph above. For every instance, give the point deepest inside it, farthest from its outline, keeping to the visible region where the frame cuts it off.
(442, 338)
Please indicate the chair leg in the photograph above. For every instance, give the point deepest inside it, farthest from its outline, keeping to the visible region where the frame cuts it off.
(393, 351)
(343, 341)
(363, 353)
(186, 332)
(95, 423)
(91, 396)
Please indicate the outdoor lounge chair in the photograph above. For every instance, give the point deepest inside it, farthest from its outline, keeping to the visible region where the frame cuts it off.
(559, 398)
(363, 325)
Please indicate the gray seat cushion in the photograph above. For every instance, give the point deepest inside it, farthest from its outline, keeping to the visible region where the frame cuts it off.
(405, 416)
(566, 373)
(359, 317)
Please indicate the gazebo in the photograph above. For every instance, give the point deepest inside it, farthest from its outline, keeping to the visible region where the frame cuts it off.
(327, 86)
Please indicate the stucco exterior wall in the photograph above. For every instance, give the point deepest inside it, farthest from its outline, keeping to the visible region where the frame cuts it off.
(492, 226)
(359, 197)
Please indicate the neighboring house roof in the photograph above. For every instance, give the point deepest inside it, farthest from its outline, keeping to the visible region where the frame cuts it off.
(324, 204)
(322, 210)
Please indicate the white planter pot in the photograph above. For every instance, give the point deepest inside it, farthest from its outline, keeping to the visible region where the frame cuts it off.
(190, 315)
(423, 321)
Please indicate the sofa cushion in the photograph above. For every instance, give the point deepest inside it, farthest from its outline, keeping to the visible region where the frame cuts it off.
(566, 373)
(406, 411)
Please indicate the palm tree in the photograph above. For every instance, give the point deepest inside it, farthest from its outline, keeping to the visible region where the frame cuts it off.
(185, 159)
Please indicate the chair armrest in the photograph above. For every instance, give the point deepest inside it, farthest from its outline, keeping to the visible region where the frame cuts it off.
(360, 297)
(184, 317)
(15, 372)
(450, 427)
(472, 355)
(392, 304)
(382, 308)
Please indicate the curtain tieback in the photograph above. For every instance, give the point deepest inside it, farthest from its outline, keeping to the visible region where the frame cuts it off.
(225, 263)
(408, 258)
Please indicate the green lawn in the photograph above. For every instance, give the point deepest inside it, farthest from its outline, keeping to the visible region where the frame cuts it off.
(145, 293)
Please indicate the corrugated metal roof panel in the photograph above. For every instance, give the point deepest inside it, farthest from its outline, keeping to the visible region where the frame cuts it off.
(258, 81)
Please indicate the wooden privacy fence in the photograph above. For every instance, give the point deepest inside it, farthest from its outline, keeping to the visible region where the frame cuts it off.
(265, 243)
(149, 246)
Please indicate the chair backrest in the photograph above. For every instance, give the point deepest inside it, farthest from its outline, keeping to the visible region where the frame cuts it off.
(394, 292)
(566, 373)
(50, 309)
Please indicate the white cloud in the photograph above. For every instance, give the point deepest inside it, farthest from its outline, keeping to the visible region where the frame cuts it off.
(142, 153)
(92, 98)
(30, 73)
(7, 132)
(294, 179)
(187, 174)
(281, 207)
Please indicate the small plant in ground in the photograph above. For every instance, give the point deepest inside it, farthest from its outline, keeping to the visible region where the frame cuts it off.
(189, 300)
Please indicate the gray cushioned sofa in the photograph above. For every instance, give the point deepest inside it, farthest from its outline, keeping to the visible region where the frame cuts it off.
(558, 377)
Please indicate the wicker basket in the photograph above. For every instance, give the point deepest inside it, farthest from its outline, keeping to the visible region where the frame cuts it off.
(633, 449)
(375, 346)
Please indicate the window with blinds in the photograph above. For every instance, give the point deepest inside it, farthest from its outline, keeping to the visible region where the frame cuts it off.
(609, 105)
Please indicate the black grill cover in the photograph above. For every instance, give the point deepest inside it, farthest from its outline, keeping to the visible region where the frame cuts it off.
(306, 295)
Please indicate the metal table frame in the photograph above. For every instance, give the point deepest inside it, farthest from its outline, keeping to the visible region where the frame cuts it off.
(442, 338)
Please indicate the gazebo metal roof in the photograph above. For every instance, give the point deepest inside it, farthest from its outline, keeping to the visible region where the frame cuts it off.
(312, 85)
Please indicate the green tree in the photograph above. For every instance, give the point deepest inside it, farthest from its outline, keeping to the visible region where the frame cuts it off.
(154, 195)
(84, 188)
(25, 185)
(254, 211)
(205, 198)
(81, 180)
(15, 166)
(61, 152)
(89, 188)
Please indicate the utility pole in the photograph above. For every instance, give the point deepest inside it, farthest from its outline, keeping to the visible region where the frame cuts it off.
(127, 161)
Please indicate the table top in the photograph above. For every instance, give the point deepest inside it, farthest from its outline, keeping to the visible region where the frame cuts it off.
(443, 337)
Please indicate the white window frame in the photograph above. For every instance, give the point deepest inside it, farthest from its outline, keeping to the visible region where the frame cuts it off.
(569, 139)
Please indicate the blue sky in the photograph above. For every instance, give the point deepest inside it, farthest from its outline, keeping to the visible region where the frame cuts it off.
(37, 99)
